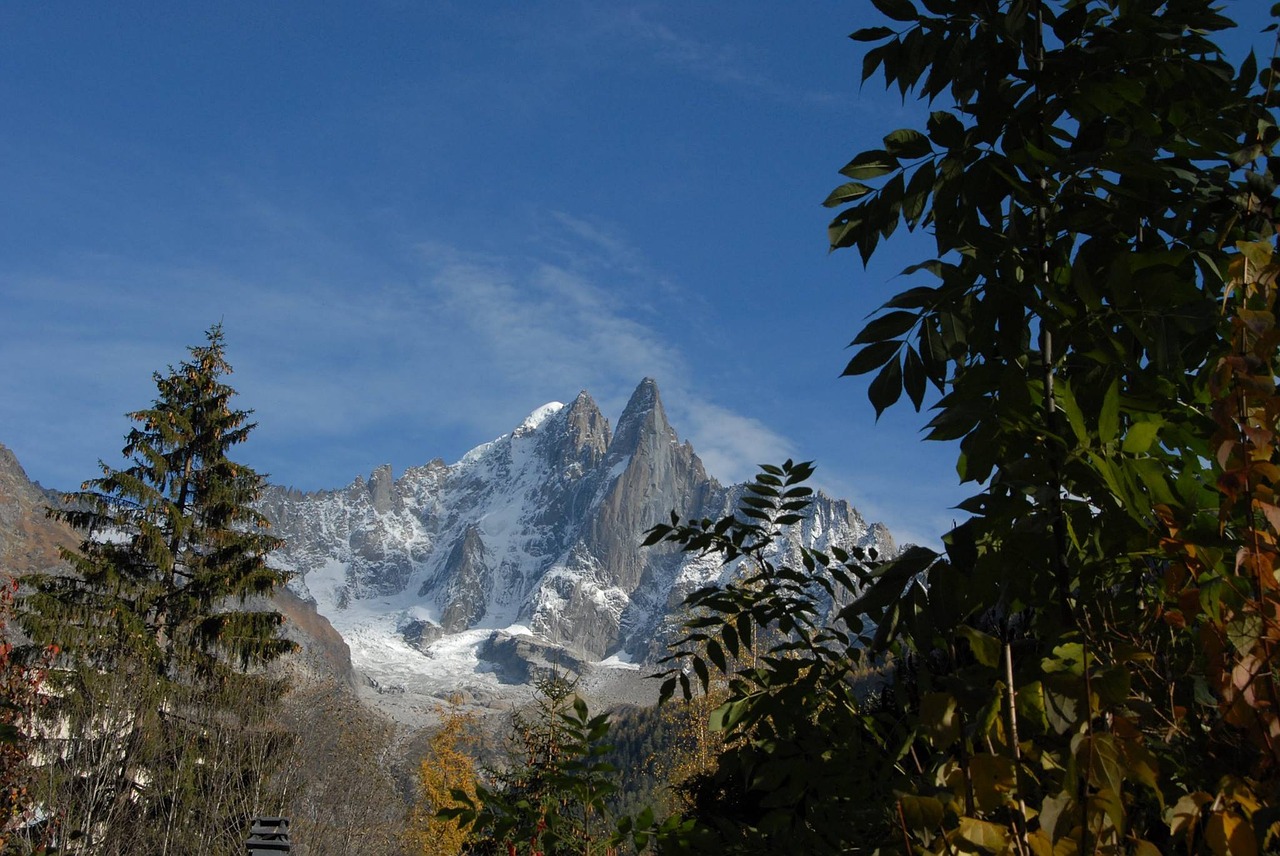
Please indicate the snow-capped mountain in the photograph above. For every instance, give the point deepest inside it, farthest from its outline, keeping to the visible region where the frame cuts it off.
(535, 534)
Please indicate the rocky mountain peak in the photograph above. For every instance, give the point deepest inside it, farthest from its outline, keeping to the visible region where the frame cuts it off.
(380, 484)
(536, 532)
(588, 429)
(537, 418)
(643, 418)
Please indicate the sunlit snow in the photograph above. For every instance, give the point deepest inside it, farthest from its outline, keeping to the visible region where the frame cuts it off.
(492, 542)
(537, 417)
(620, 661)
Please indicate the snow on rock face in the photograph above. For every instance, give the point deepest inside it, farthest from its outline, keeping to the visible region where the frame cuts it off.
(538, 530)
(537, 417)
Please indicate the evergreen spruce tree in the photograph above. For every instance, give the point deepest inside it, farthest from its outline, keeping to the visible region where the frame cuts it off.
(158, 738)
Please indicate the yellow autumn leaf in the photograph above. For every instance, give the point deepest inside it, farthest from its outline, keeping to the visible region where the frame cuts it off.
(1186, 813)
(986, 836)
(1229, 834)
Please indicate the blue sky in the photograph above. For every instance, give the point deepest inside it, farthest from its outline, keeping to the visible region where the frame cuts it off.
(418, 221)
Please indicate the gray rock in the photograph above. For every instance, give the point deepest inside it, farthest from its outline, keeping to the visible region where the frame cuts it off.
(526, 660)
(541, 527)
(420, 634)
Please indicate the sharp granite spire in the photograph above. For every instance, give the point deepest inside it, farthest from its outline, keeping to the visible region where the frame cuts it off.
(536, 532)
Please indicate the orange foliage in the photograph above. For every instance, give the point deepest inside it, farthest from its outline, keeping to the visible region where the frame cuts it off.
(446, 767)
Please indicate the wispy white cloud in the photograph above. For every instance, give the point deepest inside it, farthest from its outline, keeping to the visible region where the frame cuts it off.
(423, 359)
(722, 63)
(729, 64)
(595, 244)
(465, 344)
(600, 250)
(556, 323)
(731, 445)
(541, 322)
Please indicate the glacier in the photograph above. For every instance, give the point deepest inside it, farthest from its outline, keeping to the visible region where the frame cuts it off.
(465, 579)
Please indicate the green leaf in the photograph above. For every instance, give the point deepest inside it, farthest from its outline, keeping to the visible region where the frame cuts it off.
(945, 129)
(887, 628)
(907, 143)
(668, 689)
(1112, 684)
(986, 649)
(939, 719)
(913, 377)
(898, 10)
(1030, 701)
(1187, 812)
(888, 326)
(1070, 24)
(874, 57)
(922, 814)
(728, 715)
(870, 164)
(1140, 436)
(993, 776)
(655, 534)
(918, 190)
(846, 193)
(1111, 476)
(873, 356)
(1099, 755)
(933, 354)
(886, 389)
(954, 328)
(870, 34)
(730, 637)
(1142, 767)
(716, 655)
(889, 207)
(1067, 657)
(1066, 401)
(846, 229)
(889, 581)
(933, 266)
(700, 669)
(1109, 802)
(1109, 417)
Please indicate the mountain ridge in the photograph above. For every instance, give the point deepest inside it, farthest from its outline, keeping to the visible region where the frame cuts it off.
(473, 578)
(29, 540)
(534, 535)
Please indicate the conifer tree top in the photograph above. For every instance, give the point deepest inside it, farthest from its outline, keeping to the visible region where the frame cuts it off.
(173, 539)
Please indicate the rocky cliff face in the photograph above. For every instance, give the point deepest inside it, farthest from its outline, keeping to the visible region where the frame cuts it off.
(536, 533)
(29, 541)
(471, 578)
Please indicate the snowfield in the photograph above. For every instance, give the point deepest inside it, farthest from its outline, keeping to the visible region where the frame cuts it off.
(529, 543)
